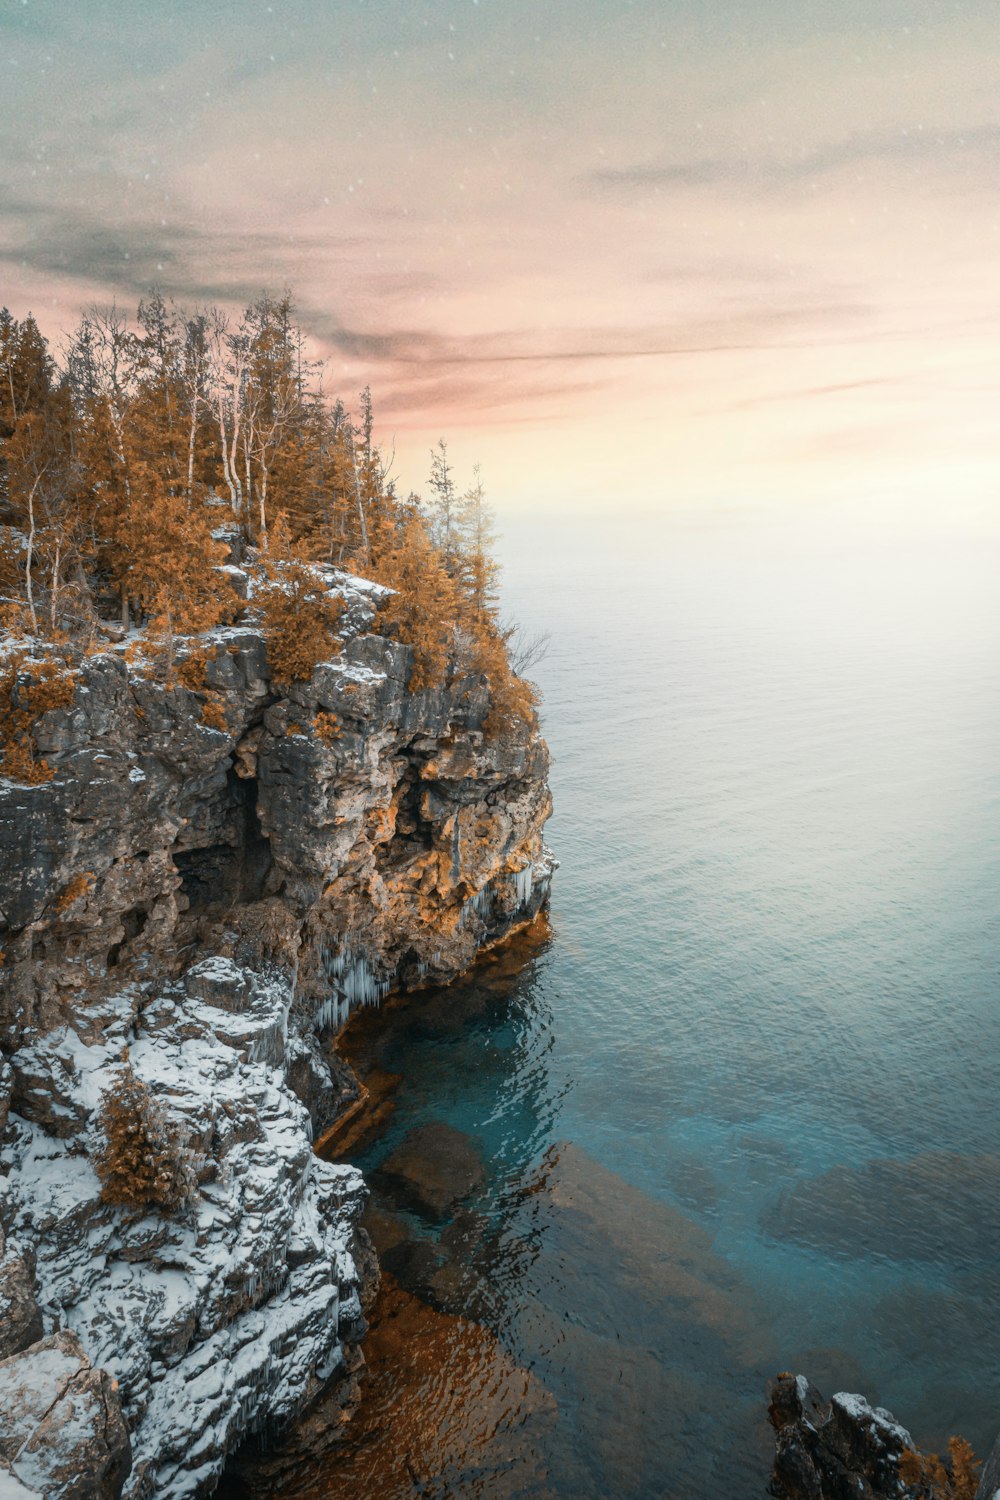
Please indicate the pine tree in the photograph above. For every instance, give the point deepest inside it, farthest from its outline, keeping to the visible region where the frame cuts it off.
(423, 609)
(299, 615)
(142, 1163)
(479, 572)
(444, 506)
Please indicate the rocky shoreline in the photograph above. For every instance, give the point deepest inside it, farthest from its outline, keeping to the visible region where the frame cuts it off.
(210, 894)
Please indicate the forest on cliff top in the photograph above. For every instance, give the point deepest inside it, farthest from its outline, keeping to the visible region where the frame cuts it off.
(181, 471)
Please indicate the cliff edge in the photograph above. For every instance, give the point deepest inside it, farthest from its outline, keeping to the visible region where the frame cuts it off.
(220, 869)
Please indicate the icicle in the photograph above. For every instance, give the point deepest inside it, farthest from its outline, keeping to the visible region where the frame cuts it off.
(524, 880)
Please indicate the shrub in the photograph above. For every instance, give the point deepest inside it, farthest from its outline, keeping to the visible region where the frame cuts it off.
(956, 1480)
(213, 713)
(299, 614)
(142, 1163)
(513, 700)
(326, 727)
(193, 668)
(29, 689)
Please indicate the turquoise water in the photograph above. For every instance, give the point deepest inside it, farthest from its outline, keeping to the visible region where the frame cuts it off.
(739, 1114)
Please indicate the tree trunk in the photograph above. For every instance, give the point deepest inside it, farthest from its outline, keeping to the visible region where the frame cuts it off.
(224, 446)
(191, 438)
(55, 588)
(28, 559)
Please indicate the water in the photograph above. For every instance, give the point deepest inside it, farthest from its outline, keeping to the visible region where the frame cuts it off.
(738, 1112)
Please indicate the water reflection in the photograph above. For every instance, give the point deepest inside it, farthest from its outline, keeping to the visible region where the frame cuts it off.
(554, 1331)
(766, 1032)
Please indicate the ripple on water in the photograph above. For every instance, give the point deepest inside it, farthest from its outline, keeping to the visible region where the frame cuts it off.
(766, 1026)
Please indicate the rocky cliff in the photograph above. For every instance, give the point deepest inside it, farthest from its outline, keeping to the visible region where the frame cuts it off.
(846, 1449)
(219, 870)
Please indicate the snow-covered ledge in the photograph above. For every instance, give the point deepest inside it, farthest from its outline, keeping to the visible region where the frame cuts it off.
(219, 1319)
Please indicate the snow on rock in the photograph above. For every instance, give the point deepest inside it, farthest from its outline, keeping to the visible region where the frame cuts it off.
(62, 1434)
(825, 1450)
(224, 1316)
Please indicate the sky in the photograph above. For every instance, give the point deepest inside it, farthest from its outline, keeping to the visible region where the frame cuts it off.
(649, 255)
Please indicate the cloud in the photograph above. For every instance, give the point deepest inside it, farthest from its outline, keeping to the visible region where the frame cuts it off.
(202, 265)
(805, 393)
(978, 144)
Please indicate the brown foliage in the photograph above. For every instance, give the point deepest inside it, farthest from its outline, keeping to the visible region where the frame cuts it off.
(423, 607)
(213, 713)
(326, 727)
(29, 689)
(513, 699)
(113, 475)
(71, 893)
(299, 614)
(956, 1480)
(193, 668)
(142, 1163)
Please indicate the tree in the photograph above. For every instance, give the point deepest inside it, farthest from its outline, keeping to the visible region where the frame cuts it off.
(299, 614)
(37, 466)
(479, 573)
(444, 505)
(958, 1479)
(422, 610)
(142, 1162)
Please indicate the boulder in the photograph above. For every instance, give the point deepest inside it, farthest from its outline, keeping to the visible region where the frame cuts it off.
(62, 1433)
(433, 1170)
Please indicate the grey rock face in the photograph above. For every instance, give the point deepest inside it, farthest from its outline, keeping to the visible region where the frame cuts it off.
(842, 1449)
(230, 1311)
(215, 900)
(62, 1434)
(20, 1320)
(989, 1481)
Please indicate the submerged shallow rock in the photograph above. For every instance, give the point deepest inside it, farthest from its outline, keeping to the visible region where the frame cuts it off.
(905, 1210)
(434, 1168)
(445, 1411)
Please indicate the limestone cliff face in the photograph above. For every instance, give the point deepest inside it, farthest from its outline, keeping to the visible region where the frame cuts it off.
(215, 899)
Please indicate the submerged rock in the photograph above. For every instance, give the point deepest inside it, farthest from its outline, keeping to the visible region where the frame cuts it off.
(435, 1168)
(940, 1205)
(445, 1411)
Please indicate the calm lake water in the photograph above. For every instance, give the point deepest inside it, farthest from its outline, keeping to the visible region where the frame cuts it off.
(739, 1111)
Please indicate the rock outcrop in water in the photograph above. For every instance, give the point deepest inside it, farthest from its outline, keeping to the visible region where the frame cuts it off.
(846, 1449)
(210, 901)
(834, 1450)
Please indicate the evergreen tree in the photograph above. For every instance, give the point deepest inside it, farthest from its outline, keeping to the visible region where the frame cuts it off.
(142, 1163)
(108, 474)
(423, 609)
(480, 573)
(444, 506)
